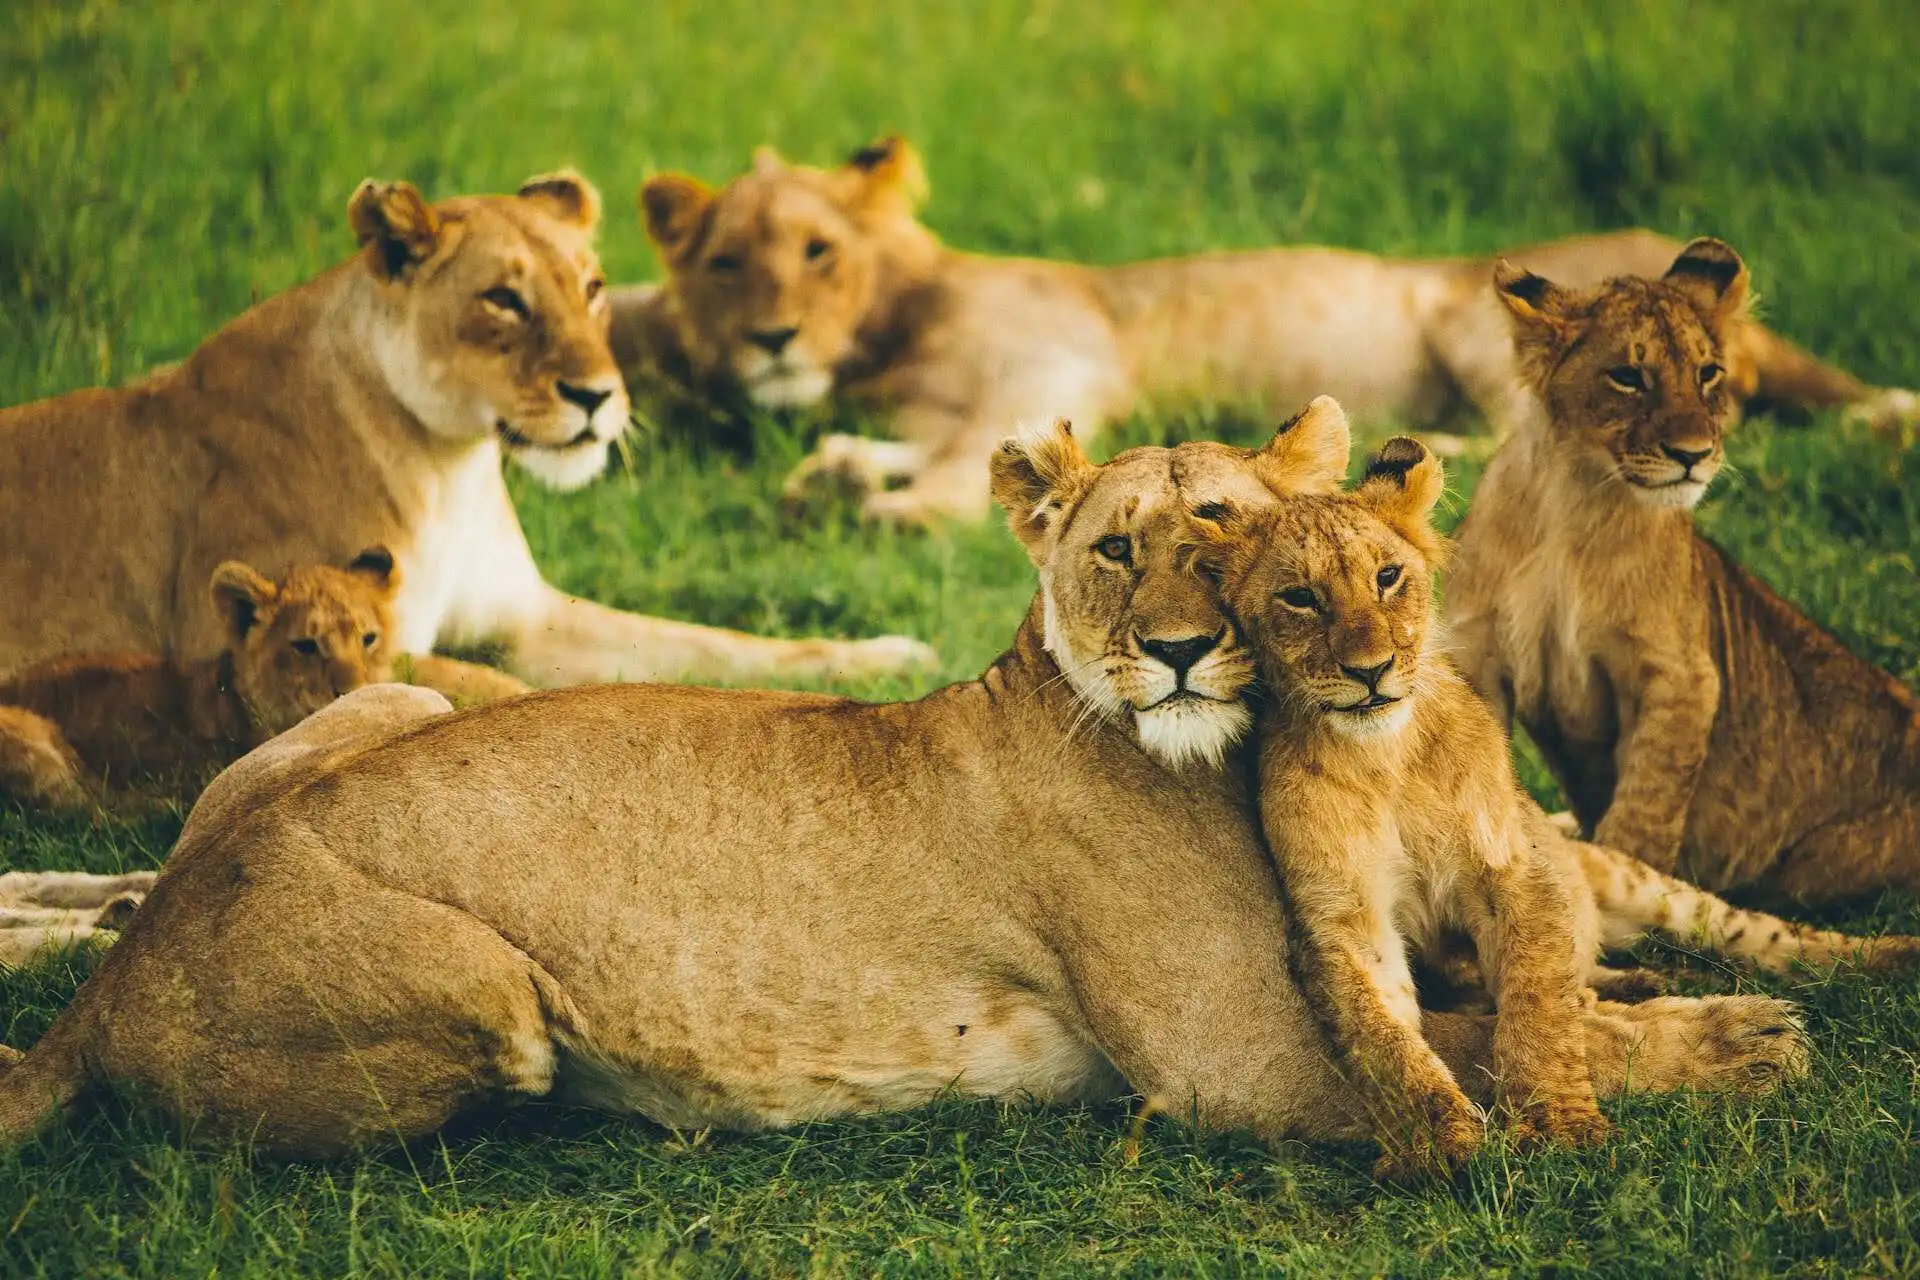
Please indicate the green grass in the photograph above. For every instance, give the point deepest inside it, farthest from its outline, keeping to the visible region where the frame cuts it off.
(163, 164)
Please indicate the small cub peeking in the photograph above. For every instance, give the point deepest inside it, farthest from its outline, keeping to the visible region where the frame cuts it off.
(1393, 811)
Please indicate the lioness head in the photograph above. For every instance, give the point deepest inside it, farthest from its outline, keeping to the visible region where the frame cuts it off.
(772, 277)
(1136, 633)
(1335, 591)
(492, 319)
(1633, 372)
(300, 643)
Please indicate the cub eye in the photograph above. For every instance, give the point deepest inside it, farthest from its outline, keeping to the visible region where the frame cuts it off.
(1710, 374)
(817, 249)
(1627, 377)
(1117, 548)
(370, 639)
(724, 264)
(595, 287)
(306, 646)
(1388, 575)
(502, 298)
(1300, 598)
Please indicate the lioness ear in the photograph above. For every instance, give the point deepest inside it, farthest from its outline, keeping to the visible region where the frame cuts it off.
(1035, 475)
(1224, 542)
(1401, 485)
(1712, 277)
(376, 565)
(1308, 454)
(397, 222)
(565, 195)
(885, 176)
(768, 162)
(673, 206)
(241, 595)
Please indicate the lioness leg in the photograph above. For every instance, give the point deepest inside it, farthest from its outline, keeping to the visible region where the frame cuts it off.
(462, 683)
(850, 467)
(70, 890)
(38, 766)
(1853, 858)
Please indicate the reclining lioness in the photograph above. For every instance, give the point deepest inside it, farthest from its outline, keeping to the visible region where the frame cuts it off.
(370, 405)
(798, 285)
(749, 909)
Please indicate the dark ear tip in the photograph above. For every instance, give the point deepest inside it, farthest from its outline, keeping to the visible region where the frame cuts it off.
(1396, 458)
(876, 153)
(375, 559)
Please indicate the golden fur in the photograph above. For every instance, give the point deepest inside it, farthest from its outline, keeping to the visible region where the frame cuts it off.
(746, 908)
(1694, 718)
(794, 285)
(369, 405)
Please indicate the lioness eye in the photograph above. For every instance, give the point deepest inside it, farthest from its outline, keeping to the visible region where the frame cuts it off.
(1710, 374)
(307, 646)
(1388, 575)
(505, 299)
(1300, 598)
(594, 288)
(1117, 548)
(1627, 378)
(817, 249)
(370, 639)
(723, 264)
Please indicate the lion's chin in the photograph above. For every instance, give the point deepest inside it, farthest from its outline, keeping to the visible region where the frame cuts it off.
(790, 388)
(571, 467)
(1679, 495)
(1379, 722)
(1193, 730)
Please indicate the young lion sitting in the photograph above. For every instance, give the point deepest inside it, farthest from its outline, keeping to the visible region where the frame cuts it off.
(1694, 718)
(1392, 809)
(79, 730)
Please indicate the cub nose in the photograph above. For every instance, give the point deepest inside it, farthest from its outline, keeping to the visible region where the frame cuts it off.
(588, 398)
(772, 341)
(1685, 457)
(1369, 676)
(1179, 654)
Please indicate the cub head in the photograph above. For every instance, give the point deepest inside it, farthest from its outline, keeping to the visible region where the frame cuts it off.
(1139, 637)
(298, 644)
(1335, 591)
(773, 278)
(1633, 372)
(490, 319)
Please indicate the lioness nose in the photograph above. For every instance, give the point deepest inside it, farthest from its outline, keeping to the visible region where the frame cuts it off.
(1369, 676)
(772, 341)
(1685, 457)
(1179, 654)
(588, 398)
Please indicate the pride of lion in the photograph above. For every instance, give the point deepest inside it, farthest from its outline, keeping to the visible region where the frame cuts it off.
(1232, 825)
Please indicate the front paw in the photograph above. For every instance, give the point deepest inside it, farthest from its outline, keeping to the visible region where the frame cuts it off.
(890, 655)
(899, 509)
(1561, 1122)
(1453, 1132)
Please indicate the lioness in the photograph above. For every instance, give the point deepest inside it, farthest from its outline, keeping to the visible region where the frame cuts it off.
(369, 405)
(1694, 718)
(746, 909)
(798, 285)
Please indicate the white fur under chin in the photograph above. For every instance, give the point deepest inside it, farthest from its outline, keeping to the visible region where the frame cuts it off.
(1374, 724)
(564, 469)
(1192, 730)
(1674, 497)
(790, 388)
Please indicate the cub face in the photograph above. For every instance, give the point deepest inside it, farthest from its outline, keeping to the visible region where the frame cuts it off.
(300, 643)
(1335, 592)
(1135, 632)
(1633, 372)
(773, 276)
(495, 319)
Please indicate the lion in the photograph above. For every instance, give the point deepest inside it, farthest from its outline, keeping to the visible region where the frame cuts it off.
(370, 405)
(1695, 719)
(748, 908)
(797, 286)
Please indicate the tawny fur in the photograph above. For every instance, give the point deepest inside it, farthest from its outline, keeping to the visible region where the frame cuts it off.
(794, 285)
(746, 908)
(1694, 718)
(372, 404)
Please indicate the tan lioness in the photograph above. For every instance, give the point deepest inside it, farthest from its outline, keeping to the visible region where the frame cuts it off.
(796, 285)
(368, 406)
(747, 909)
(1694, 718)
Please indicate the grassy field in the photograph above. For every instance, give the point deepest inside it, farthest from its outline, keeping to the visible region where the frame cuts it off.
(162, 164)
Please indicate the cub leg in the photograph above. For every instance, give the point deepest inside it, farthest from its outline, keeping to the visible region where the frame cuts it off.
(1662, 746)
(38, 766)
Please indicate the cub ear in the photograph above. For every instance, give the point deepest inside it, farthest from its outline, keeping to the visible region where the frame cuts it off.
(1712, 277)
(241, 595)
(397, 222)
(1401, 485)
(885, 176)
(1035, 475)
(566, 196)
(1224, 543)
(674, 205)
(767, 162)
(376, 565)
(1308, 454)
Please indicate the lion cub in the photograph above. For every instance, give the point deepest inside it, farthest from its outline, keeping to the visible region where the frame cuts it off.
(1393, 812)
(79, 730)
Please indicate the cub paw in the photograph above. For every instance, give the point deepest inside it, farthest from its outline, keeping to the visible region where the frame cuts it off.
(1453, 1133)
(1752, 1043)
(1891, 955)
(1628, 986)
(1569, 1122)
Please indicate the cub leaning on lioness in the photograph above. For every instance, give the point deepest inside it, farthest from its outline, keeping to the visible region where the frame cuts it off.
(370, 405)
(1694, 718)
(796, 285)
(747, 909)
